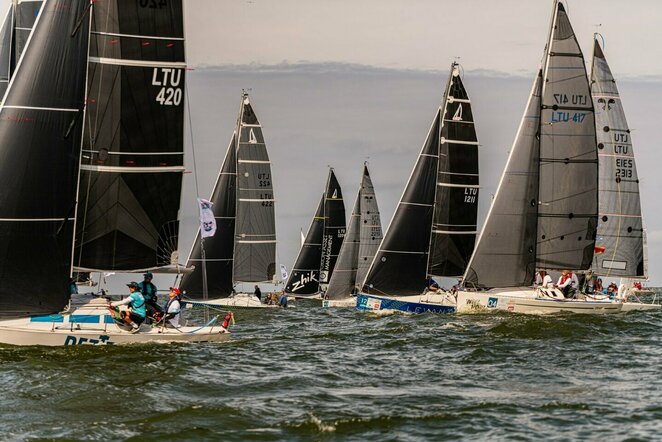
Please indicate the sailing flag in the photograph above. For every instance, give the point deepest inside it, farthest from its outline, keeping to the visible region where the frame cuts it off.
(599, 250)
(207, 219)
(303, 238)
(283, 272)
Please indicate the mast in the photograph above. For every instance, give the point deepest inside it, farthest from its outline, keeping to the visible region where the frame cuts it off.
(40, 162)
(620, 227)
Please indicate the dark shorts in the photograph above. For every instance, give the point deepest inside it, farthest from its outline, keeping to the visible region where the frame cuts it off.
(136, 318)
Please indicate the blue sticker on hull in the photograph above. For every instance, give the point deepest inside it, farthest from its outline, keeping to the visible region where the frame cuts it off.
(367, 303)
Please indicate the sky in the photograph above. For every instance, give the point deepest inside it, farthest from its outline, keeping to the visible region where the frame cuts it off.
(338, 82)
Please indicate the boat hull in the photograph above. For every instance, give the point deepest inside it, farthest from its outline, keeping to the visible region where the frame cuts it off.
(239, 301)
(88, 322)
(432, 303)
(531, 301)
(339, 303)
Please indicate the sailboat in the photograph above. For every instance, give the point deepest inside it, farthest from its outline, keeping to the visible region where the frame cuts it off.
(433, 230)
(360, 244)
(97, 93)
(14, 34)
(243, 249)
(620, 233)
(317, 257)
(545, 212)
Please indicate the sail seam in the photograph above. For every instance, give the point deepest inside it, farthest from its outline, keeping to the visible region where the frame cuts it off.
(151, 37)
(138, 63)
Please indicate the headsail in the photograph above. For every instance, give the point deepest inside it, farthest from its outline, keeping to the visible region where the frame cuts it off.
(133, 147)
(40, 136)
(545, 211)
(620, 229)
(218, 249)
(371, 228)
(400, 264)
(304, 277)
(334, 227)
(456, 202)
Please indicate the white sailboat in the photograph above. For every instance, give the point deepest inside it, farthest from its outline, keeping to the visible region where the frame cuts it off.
(59, 81)
(544, 215)
(243, 249)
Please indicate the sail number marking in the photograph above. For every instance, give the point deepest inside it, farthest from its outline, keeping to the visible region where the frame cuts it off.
(624, 167)
(470, 195)
(170, 94)
(566, 117)
(153, 4)
(577, 100)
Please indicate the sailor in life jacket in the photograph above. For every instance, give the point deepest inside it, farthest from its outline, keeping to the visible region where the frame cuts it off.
(136, 303)
(568, 284)
(173, 307)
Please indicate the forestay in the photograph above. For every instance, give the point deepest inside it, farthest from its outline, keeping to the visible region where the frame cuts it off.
(132, 161)
(620, 229)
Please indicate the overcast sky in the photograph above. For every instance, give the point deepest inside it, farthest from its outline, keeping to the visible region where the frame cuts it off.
(335, 82)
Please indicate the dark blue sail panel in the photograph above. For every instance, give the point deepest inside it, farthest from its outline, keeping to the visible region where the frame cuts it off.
(40, 128)
(133, 144)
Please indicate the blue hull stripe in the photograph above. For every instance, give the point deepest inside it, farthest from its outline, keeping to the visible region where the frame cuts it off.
(47, 318)
(84, 319)
(362, 302)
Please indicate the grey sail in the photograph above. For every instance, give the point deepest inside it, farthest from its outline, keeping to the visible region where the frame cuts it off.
(371, 228)
(545, 212)
(456, 201)
(255, 228)
(505, 252)
(568, 194)
(343, 279)
(620, 230)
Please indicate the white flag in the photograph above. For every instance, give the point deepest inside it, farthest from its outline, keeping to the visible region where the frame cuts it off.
(207, 220)
(303, 238)
(283, 272)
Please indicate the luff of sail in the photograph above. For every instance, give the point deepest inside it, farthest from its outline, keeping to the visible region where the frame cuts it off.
(620, 227)
(40, 131)
(132, 162)
(218, 249)
(304, 277)
(334, 227)
(255, 226)
(399, 267)
(568, 193)
(505, 253)
(456, 201)
(6, 53)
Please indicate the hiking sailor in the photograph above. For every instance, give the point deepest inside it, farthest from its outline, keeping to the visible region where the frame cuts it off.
(173, 307)
(136, 312)
(565, 284)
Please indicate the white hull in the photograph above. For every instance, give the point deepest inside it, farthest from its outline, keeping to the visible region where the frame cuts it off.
(531, 301)
(340, 303)
(91, 324)
(240, 300)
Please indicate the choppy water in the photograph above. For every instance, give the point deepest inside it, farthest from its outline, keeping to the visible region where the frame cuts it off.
(314, 374)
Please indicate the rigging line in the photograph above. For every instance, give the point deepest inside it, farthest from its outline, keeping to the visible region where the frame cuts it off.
(190, 128)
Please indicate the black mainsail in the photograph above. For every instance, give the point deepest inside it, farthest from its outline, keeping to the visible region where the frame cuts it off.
(545, 212)
(244, 246)
(40, 139)
(434, 226)
(318, 254)
(360, 244)
(620, 231)
(132, 162)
